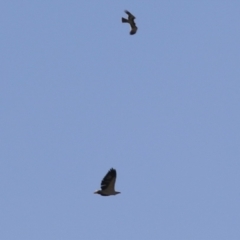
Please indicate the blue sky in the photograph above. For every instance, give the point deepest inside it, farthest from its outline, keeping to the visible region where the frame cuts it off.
(79, 95)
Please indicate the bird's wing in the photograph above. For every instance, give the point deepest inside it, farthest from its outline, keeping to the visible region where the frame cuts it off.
(133, 25)
(133, 31)
(130, 16)
(109, 180)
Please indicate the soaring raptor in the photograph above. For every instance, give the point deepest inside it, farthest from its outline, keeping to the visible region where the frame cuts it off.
(108, 183)
(130, 20)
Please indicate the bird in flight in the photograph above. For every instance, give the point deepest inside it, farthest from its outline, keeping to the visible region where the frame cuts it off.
(108, 183)
(130, 20)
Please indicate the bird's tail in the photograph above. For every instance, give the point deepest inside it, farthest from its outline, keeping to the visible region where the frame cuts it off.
(124, 20)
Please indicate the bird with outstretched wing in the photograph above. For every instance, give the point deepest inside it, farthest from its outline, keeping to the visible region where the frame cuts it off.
(130, 20)
(108, 184)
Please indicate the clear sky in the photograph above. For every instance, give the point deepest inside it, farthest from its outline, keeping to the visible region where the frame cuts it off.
(79, 95)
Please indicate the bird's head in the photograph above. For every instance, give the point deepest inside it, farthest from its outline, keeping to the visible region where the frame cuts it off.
(97, 192)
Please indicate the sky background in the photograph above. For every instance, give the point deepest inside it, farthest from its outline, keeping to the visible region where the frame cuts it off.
(79, 95)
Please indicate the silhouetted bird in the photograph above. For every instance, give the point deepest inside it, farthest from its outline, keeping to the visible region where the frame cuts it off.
(108, 184)
(130, 20)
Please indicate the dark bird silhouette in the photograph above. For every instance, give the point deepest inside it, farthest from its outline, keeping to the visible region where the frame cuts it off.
(108, 183)
(130, 20)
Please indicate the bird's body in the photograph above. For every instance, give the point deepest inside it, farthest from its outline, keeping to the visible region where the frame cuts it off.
(130, 20)
(108, 183)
